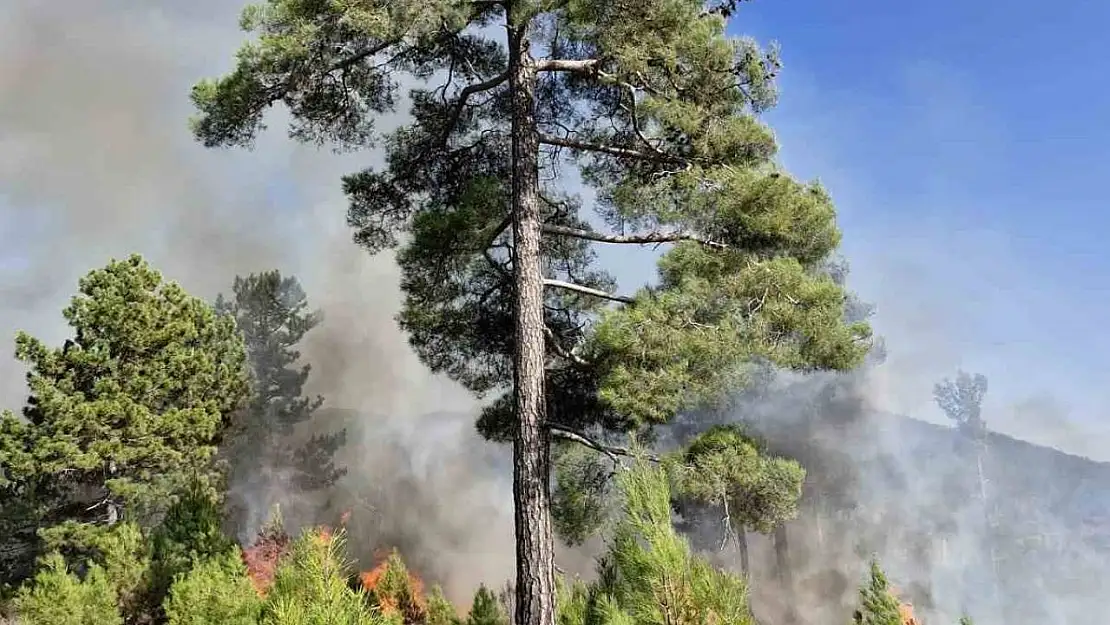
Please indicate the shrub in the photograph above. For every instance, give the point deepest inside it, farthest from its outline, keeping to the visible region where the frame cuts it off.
(57, 597)
(215, 591)
(310, 587)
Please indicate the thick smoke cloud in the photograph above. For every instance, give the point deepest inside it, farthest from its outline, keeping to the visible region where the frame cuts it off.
(881, 484)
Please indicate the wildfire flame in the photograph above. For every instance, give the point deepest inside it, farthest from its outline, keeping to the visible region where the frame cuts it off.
(408, 600)
(262, 559)
(906, 612)
(403, 596)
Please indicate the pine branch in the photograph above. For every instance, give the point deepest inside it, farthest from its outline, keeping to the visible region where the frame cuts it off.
(614, 150)
(614, 452)
(501, 227)
(361, 55)
(585, 290)
(638, 239)
(464, 95)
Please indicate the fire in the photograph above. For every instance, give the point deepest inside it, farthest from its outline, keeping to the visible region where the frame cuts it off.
(906, 612)
(905, 609)
(262, 558)
(273, 543)
(390, 584)
(396, 589)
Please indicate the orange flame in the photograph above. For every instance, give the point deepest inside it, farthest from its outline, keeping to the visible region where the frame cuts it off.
(412, 608)
(906, 612)
(262, 559)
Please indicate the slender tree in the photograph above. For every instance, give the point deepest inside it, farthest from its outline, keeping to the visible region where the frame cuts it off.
(961, 400)
(658, 107)
(272, 313)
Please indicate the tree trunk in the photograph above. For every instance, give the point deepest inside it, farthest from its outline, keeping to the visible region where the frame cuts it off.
(535, 549)
(745, 558)
(785, 573)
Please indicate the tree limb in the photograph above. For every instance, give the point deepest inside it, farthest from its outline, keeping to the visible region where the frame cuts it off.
(609, 149)
(567, 65)
(562, 351)
(464, 95)
(640, 239)
(614, 452)
(501, 227)
(361, 55)
(585, 290)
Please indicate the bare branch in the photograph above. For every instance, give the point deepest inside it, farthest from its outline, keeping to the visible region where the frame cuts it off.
(562, 351)
(567, 65)
(585, 290)
(464, 95)
(615, 453)
(638, 239)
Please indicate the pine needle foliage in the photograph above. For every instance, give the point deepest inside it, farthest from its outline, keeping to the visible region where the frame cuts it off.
(311, 586)
(878, 605)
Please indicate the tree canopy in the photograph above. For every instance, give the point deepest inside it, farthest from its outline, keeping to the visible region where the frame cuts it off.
(961, 399)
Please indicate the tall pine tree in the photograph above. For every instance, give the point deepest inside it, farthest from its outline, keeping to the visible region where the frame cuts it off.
(272, 313)
(658, 107)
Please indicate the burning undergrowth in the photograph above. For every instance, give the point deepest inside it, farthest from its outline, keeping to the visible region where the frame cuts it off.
(389, 585)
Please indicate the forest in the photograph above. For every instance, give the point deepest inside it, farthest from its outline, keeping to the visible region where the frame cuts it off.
(159, 470)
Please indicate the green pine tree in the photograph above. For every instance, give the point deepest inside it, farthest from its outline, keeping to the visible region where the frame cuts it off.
(650, 575)
(658, 107)
(878, 606)
(486, 609)
(57, 597)
(272, 313)
(731, 471)
(216, 590)
(190, 533)
(126, 413)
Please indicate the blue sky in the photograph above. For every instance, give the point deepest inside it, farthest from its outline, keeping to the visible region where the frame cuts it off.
(962, 141)
(966, 146)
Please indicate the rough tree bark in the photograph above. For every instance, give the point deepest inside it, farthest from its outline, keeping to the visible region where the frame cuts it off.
(535, 549)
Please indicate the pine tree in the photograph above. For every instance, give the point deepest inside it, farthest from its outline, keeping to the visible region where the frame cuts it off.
(126, 413)
(961, 400)
(726, 468)
(486, 609)
(650, 575)
(271, 311)
(878, 606)
(658, 108)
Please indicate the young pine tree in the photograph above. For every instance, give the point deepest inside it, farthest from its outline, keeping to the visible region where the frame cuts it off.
(126, 412)
(650, 575)
(878, 606)
(726, 468)
(486, 609)
(658, 107)
(272, 313)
